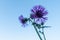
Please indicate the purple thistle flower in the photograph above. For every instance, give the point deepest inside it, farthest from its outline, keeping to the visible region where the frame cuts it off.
(38, 12)
(22, 19)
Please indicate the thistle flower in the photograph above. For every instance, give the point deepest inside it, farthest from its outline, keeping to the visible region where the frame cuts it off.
(23, 20)
(39, 13)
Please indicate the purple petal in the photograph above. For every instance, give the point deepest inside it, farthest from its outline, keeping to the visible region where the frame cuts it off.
(21, 17)
(45, 13)
(34, 11)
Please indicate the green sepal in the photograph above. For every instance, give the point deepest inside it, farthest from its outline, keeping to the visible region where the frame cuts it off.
(37, 25)
(25, 19)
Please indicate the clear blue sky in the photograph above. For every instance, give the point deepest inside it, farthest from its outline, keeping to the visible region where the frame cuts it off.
(10, 27)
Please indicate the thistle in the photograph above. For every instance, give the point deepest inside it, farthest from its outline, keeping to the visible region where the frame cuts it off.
(37, 19)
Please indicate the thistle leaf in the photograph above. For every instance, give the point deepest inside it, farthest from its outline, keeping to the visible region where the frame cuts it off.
(45, 26)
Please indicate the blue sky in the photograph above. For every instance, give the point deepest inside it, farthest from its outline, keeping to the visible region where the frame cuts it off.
(10, 27)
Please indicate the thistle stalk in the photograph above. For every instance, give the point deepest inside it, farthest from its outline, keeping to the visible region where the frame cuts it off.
(37, 33)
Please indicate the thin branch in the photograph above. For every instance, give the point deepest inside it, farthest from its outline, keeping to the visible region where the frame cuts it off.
(43, 33)
(37, 32)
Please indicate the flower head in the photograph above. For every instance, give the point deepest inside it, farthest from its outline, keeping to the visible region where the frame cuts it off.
(38, 12)
(22, 19)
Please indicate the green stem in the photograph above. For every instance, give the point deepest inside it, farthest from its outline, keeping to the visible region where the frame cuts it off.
(37, 32)
(36, 29)
(43, 34)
